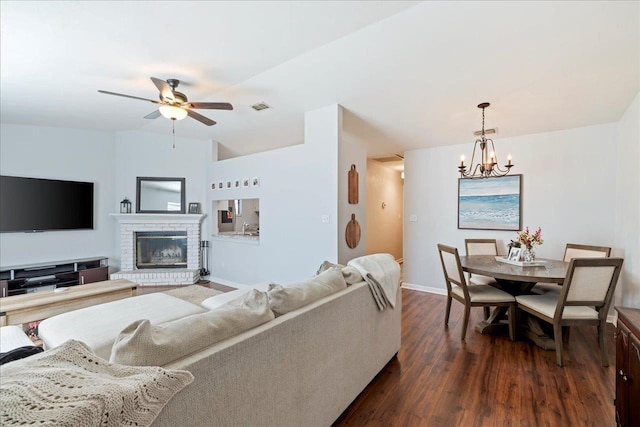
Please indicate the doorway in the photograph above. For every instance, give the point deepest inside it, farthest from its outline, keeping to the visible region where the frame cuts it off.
(385, 206)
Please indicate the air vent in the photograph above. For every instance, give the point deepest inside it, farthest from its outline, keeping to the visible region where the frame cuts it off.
(260, 106)
(486, 132)
(394, 158)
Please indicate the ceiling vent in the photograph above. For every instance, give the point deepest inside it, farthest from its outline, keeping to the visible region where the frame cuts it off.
(260, 106)
(394, 158)
(486, 132)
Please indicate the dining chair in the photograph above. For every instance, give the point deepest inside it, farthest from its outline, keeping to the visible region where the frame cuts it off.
(481, 247)
(573, 250)
(471, 296)
(584, 300)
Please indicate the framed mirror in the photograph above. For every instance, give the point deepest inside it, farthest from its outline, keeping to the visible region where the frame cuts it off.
(160, 195)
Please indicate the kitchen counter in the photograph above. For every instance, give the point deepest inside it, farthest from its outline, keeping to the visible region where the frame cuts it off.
(233, 236)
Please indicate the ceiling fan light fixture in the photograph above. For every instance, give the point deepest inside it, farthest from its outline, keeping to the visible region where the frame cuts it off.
(172, 112)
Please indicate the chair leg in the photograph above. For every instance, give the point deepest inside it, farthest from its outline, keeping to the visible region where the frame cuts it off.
(447, 311)
(465, 321)
(557, 337)
(512, 322)
(602, 336)
(566, 334)
(487, 312)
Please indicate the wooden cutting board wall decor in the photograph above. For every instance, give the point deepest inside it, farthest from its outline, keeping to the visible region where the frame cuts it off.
(352, 233)
(353, 186)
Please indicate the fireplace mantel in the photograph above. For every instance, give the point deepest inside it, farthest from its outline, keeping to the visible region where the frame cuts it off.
(152, 218)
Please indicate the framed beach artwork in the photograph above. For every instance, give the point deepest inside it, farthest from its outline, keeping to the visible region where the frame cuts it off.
(490, 203)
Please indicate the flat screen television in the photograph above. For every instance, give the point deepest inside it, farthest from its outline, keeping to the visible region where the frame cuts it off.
(34, 204)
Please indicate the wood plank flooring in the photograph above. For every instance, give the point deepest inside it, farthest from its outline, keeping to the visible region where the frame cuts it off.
(439, 380)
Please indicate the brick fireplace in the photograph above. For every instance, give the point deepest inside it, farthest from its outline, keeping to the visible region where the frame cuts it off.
(152, 248)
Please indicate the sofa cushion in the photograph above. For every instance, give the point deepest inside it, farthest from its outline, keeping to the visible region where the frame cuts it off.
(284, 299)
(144, 344)
(98, 326)
(12, 337)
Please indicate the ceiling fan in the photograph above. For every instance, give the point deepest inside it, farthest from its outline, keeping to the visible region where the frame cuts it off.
(174, 105)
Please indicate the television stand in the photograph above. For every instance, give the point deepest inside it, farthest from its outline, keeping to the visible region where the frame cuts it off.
(29, 278)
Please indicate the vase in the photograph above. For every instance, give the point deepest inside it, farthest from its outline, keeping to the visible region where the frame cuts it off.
(529, 255)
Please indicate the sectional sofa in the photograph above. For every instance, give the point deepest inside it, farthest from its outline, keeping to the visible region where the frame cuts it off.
(301, 355)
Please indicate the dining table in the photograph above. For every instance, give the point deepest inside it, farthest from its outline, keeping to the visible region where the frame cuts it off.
(516, 278)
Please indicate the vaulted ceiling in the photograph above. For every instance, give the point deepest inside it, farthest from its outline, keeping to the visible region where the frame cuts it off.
(408, 74)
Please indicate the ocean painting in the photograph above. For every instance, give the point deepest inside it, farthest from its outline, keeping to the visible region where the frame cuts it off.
(489, 203)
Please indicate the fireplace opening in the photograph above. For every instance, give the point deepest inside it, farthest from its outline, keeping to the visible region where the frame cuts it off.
(161, 249)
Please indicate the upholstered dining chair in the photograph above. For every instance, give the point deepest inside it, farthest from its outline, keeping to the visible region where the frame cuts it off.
(571, 251)
(481, 247)
(471, 296)
(584, 300)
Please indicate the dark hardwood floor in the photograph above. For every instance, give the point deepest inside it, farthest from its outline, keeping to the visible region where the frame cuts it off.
(439, 380)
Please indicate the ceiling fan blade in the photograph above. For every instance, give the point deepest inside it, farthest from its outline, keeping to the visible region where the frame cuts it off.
(153, 115)
(211, 105)
(199, 117)
(164, 88)
(129, 96)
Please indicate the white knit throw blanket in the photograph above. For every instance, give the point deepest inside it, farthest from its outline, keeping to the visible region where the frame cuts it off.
(70, 386)
(382, 273)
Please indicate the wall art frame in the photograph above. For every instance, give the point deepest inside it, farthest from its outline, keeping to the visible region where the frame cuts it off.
(490, 203)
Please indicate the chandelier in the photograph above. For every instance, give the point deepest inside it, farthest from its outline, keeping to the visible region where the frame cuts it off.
(487, 164)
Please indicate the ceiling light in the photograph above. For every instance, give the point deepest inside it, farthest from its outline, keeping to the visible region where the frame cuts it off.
(487, 165)
(172, 112)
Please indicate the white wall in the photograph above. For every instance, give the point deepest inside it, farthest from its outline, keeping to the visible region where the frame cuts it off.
(298, 185)
(384, 225)
(153, 155)
(351, 152)
(66, 154)
(568, 189)
(627, 207)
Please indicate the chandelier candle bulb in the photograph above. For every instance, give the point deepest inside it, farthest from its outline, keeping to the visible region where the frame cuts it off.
(462, 161)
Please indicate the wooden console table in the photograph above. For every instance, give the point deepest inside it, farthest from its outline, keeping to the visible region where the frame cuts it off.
(18, 309)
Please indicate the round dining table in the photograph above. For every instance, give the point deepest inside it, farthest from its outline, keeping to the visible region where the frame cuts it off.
(516, 280)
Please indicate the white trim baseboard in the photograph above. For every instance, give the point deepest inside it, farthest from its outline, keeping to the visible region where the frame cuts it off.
(429, 289)
(228, 282)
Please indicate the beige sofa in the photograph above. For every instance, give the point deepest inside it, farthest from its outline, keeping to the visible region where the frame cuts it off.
(303, 368)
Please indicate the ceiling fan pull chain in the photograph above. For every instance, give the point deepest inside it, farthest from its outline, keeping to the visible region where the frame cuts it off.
(173, 125)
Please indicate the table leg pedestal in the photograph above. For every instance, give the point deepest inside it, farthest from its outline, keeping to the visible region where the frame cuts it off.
(495, 323)
(531, 329)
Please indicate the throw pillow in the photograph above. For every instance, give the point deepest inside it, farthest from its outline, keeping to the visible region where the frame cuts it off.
(327, 265)
(144, 344)
(284, 299)
(351, 274)
(19, 353)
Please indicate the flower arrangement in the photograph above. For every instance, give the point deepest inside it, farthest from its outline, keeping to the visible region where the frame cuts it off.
(529, 240)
